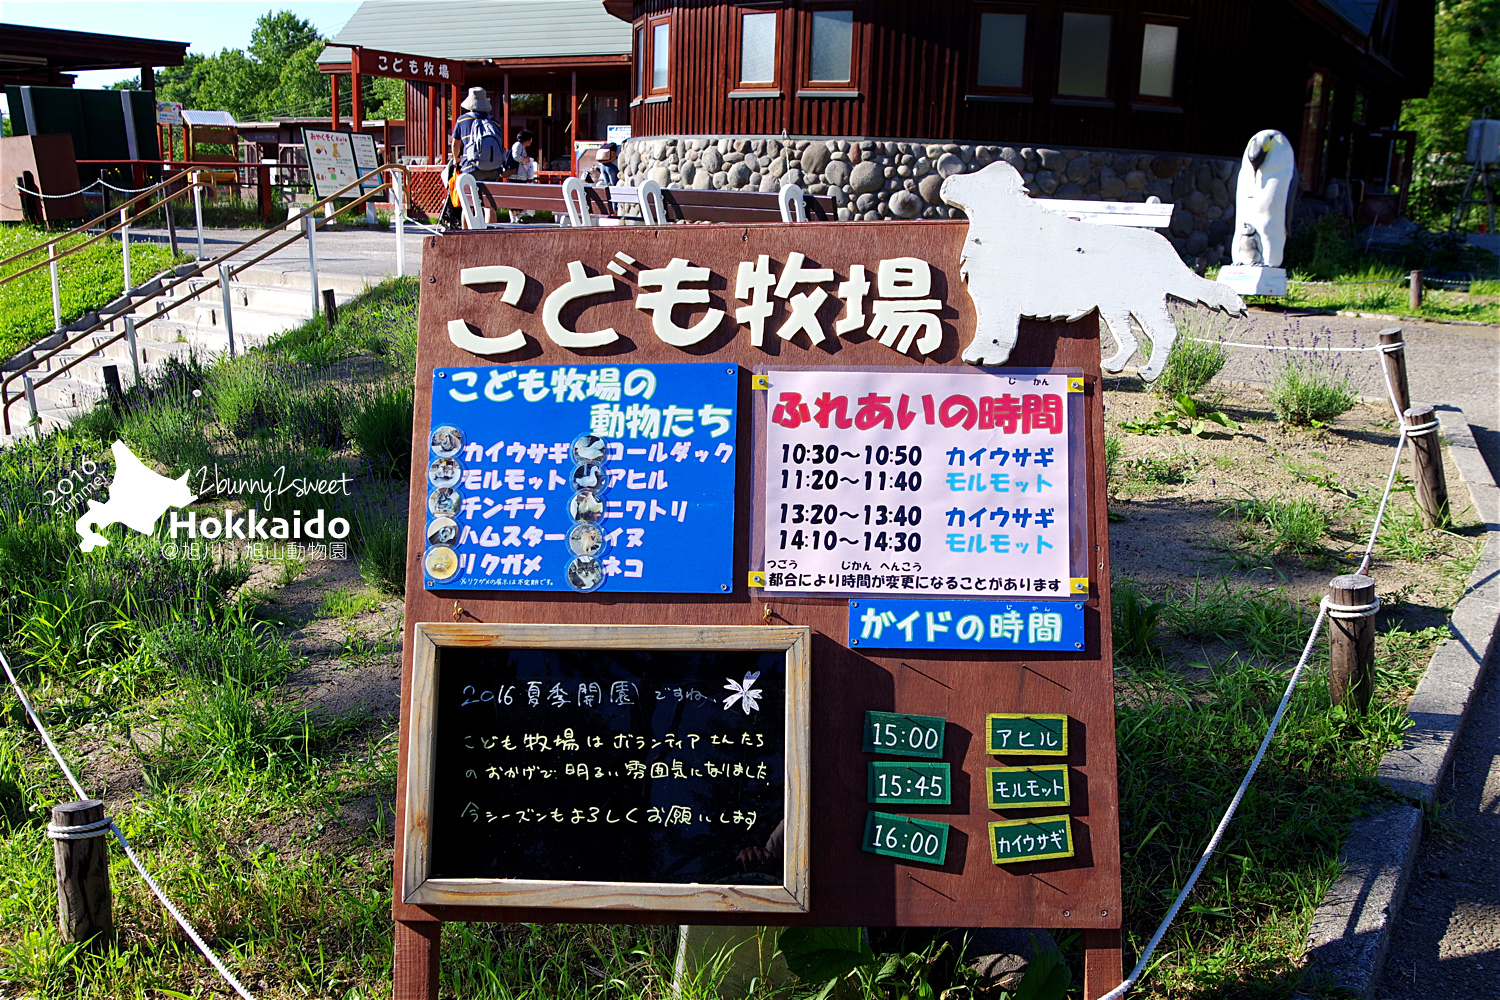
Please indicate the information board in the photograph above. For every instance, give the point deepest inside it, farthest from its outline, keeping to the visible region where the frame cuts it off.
(826, 311)
(366, 159)
(919, 482)
(330, 161)
(581, 478)
(662, 756)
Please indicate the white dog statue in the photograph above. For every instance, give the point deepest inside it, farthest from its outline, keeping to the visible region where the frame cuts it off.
(1020, 260)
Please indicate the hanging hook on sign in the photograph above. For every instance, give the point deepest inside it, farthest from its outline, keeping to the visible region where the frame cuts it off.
(458, 611)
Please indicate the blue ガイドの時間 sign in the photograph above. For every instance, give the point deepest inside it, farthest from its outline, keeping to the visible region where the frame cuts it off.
(939, 624)
(616, 478)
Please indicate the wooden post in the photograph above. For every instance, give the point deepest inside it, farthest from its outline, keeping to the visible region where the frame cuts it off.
(1394, 359)
(112, 388)
(357, 112)
(1351, 642)
(434, 146)
(330, 308)
(1427, 465)
(505, 122)
(1102, 964)
(418, 959)
(263, 192)
(148, 78)
(82, 867)
(1416, 290)
(573, 126)
(333, 101)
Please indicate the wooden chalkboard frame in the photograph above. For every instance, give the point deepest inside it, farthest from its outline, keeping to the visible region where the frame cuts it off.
(791, 897)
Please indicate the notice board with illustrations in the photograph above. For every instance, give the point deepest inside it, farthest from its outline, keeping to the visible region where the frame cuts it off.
(638, 447)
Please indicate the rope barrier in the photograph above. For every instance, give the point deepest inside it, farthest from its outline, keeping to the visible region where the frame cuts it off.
(71, 194)
(108, 825)
(122, 190)
(1326, 609)
(84, 831)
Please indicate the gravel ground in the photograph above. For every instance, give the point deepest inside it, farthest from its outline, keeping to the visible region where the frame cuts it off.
(1446, 942)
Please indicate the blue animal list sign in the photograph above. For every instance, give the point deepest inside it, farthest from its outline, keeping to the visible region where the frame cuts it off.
(938, 624)
(578, 478)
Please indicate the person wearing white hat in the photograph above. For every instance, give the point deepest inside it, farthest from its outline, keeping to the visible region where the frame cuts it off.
(478, 146)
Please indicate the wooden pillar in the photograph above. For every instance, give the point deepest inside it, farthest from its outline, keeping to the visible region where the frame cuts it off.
(82, 867)
(1102, 967)
(1351, 642)
(505, 120)
(357, 113)
(1427, 465)
(333, 100)
(1415, 289)
(417, 960)
(148, 78)
(434, 147)
(1394, 359)
(573, 125)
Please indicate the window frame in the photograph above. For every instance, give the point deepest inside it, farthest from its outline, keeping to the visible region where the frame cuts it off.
(1110, 67)
(641, 40)
(1028, 52)
(653, 92)
(1153, 102)
(809, 87)
(739, 87)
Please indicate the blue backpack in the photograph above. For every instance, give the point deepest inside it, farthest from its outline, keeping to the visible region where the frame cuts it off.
(485, 147)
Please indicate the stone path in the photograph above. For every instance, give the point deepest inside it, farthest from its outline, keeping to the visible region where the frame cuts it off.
(369, 253)
(1446, 942)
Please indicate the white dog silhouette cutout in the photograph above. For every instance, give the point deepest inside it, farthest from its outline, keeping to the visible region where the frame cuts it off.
(137, 499)
(1021, 260)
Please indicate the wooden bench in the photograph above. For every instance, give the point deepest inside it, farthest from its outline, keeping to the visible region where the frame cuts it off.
(1146, 214)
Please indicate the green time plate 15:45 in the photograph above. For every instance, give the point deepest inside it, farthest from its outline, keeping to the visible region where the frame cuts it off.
(906, 838)
(915, 783)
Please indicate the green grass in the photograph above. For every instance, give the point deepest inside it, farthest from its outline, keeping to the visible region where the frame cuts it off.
(1295, 526)
(1192, 365)
(1385, 290)
(86, 281)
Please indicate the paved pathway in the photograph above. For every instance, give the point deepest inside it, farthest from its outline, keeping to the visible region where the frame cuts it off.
(367, 252)
(1446, 942)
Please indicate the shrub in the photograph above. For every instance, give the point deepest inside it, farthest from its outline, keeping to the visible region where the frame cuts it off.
(381, 427)
(1294, 525)
(1306, 394)
(1112, 449)
(1135, 621)
(1191, 366)
(381, 552)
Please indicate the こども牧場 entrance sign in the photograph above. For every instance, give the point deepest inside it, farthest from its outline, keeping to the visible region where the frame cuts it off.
(806, 309)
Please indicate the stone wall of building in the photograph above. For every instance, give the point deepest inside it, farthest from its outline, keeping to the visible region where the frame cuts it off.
(873, 179)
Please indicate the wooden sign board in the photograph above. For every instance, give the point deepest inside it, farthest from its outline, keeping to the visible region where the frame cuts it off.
(559, 313)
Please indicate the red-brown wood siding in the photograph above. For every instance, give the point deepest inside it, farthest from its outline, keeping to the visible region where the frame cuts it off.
(915, 63)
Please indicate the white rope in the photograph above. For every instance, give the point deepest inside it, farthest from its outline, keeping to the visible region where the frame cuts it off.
(1287, 347)
(1417, 430)
(83, 831)
(1326, 609)
(120, 836)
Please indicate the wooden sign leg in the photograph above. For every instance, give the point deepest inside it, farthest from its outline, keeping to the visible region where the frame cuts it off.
(1102, 968)
(418, 951)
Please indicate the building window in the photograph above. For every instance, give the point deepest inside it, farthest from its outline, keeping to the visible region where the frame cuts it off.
(640, 61)
(1001, 62)
(1158, 60)
(1083, 63)
(831, 47)
(661, 54)
(758, 49)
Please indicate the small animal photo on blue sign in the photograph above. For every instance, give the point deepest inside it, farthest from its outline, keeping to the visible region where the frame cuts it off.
(582, 478)
(935, 623)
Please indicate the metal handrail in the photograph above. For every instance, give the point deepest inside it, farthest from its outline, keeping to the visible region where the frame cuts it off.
(112, 213)
(117, 227)
(6, 400)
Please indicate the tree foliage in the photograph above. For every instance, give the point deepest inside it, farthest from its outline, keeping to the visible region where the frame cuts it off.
(1466, 80)
(275, 76)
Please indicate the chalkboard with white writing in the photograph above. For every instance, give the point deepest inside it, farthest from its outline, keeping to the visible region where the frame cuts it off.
(609, 765)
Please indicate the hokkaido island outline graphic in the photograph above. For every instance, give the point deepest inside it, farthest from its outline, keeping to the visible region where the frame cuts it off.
(138, 498)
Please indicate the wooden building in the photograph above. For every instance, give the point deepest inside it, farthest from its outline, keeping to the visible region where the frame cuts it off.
(48, 57)
(560, 68)
(1195, 77)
